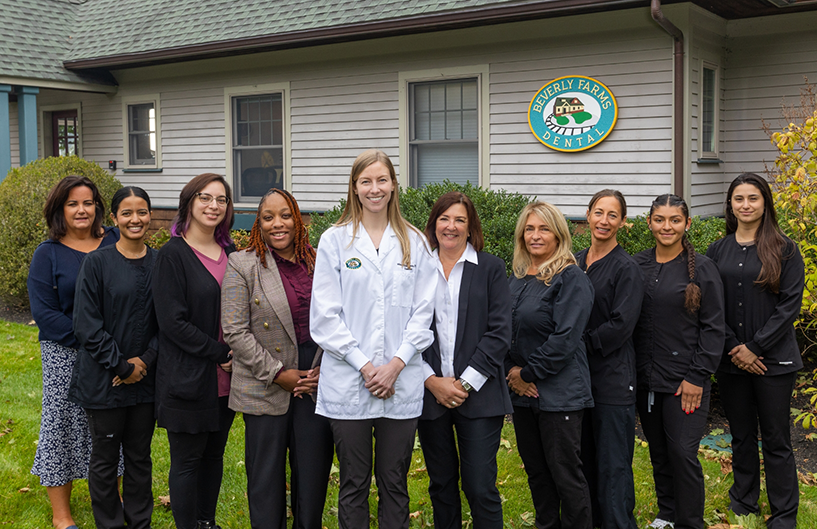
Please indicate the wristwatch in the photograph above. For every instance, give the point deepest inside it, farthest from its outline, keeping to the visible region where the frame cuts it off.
(466, 386)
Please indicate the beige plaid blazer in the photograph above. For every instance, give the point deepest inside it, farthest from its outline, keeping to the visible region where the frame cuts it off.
(258, 326)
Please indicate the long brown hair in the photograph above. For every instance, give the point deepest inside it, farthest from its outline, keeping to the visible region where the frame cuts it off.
(303, 251)
(353, 212)
(54, 211)
(692, 293)
(768, 238)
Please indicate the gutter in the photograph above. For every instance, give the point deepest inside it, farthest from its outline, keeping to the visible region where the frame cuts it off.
(678, 90)
(518, 11)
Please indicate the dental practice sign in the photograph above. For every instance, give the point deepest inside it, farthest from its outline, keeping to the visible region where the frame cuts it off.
(572, 114)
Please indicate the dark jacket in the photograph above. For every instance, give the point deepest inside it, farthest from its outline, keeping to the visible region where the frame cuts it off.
(52, 277)
(482, 342)
(546, 340)
(188, 308)
(619, 289)
(671, 344)
(755, 316)
(113, 321)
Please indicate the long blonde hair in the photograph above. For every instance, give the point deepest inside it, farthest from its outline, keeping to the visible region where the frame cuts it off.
(353, 212)
(561, 258)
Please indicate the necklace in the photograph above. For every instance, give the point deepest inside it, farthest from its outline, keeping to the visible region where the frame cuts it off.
(132, 255)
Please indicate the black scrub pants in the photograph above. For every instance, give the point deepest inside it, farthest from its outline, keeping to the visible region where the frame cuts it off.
(478, 441)
(674, 438)
(130, 427)
(309, 440)
(549, 444)
(393, 442)
(747, 400)
(196, 468)
(608, 443)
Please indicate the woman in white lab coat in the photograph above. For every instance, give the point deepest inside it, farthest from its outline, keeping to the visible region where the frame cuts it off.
(372, 305)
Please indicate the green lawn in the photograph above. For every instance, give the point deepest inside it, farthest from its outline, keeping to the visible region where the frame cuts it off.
(24, 505)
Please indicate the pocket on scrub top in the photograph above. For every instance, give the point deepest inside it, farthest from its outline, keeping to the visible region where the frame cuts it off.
(403, 290)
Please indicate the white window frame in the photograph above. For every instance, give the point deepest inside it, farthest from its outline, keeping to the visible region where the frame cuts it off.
(480, 72)
(716, 118)
(141, 100)
(255, 90)
(48, 109)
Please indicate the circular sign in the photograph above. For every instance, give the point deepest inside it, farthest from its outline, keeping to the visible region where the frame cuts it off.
(572, 114)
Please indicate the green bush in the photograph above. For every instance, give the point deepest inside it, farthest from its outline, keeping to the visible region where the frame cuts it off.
(241, 238)
(22, 226)
(635, 235)
(497, 210)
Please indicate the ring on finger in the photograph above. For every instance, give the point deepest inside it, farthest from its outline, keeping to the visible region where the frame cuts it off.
(376, 392)
(453, 404)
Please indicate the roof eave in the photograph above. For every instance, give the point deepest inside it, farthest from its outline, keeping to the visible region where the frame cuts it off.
(352, 32)
(59, 85)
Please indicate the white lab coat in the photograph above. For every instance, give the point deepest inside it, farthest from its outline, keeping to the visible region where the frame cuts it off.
(367, 308)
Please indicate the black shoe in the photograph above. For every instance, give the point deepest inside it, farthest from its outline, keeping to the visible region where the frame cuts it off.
(208, 525)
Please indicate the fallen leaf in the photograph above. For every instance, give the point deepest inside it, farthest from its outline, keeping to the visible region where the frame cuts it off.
(415, 514)
(505, 443)
(164, 501)
(726, 465)
(24, 489)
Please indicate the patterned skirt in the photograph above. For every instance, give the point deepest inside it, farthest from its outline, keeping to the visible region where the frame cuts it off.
(64, 446)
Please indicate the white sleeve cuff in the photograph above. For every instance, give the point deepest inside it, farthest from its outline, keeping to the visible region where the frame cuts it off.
(356, 358)
(474, 377)
(405, 352)
(427, 371)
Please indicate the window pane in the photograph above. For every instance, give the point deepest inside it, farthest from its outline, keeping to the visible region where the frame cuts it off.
(453, 96)
(421, 102)
(140, 117)
(258, 146)
(437, 126)
(258, 171)
(140, 151)
(457, 162)
(266, 133)
(266, 110)
(437, 96)
(469, 95)
(469, 125)
(255, 133)
(453, 125)
(708, 111)
(243, 134)
(421, 126)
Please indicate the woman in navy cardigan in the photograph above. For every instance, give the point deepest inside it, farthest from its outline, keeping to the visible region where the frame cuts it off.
(464, 367)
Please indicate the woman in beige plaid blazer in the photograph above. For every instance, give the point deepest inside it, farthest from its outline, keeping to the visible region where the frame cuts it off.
(266, 296)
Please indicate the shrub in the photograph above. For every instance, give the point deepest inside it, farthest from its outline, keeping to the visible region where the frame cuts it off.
(497, 210)
(22, 226)
(241, 238)
(635, 235)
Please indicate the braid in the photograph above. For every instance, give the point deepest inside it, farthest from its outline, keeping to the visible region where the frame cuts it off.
(303, 250)
(692, 293)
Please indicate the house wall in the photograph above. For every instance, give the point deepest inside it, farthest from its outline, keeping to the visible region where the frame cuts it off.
(765, 68)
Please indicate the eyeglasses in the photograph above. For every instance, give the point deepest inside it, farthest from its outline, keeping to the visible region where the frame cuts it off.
(207, 199)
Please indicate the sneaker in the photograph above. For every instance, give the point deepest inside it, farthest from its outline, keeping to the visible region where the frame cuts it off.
(658, 523)
(204, 524)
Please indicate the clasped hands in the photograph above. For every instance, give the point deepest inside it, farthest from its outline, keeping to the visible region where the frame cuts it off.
(447, 390)
(299, 382)
(140, 371)
(380, 380)
(746, 360)
(519, 386)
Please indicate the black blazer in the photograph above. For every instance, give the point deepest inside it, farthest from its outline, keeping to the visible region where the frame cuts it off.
(482, 342)
(187, 299)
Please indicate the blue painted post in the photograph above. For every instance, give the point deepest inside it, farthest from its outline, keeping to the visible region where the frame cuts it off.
(5, 132)
(27, 113)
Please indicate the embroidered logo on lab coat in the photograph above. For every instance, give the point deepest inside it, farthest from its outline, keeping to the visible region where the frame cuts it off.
(353, 263)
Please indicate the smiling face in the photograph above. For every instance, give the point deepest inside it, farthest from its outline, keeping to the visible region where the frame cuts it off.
(540, 241)
(604, 219)
(208, 216)
(667, 224)
(373, 188)
(277, 225)
(747, 204)
(452, 230)
(79, 210)
(132, 218)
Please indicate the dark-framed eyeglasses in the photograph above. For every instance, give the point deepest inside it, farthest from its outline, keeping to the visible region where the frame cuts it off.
(207, 199)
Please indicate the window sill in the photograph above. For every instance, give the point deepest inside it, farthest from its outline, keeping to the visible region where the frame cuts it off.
(146, 170)
(709, 161)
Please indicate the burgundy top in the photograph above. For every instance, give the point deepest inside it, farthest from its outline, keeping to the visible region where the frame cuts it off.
(298, 287)
(217, 270)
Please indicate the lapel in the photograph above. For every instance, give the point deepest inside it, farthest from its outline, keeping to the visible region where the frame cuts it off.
(273, 288)
(462, 311)
(362, 243)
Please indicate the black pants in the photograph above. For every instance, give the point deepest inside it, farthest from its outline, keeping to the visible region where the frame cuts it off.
(309, 440)
(393, 443)
(131, 428)
(747, 400)
(478, 440)
(549, 444)
(196, 467)
(674, 438)
(608, 440)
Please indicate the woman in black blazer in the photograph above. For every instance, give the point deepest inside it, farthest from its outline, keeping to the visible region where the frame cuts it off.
(763, 277)
(193, 370)
(464, 368)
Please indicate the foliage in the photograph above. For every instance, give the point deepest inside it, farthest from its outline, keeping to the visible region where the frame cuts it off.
(241, 238)
(22, 226)
(795, 189)
(635, 235)
(497, 210)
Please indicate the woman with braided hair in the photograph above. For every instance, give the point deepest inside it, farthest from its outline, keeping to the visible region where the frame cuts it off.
(265, 316)
(678, 343)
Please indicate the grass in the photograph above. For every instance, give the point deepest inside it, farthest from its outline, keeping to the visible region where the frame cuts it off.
(24, 504)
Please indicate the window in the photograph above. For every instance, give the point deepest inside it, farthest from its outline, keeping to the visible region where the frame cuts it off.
(60, 133)
(257, 144)
(444, 132)
(708, 132)
(142, 133)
